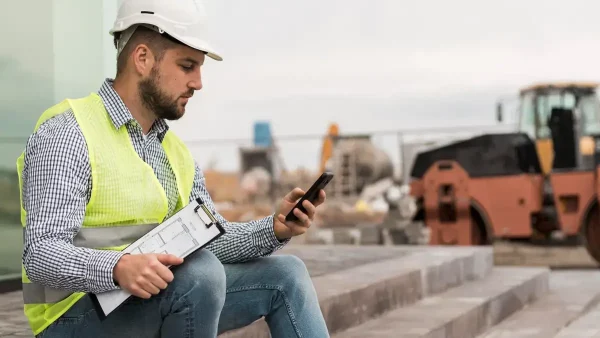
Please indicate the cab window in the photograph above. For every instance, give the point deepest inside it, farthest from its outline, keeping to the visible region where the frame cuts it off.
(527, 122)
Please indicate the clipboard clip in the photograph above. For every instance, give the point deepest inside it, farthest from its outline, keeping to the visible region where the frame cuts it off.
(205, 215)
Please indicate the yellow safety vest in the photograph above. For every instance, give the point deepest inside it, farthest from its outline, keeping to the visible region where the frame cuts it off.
(127, 200)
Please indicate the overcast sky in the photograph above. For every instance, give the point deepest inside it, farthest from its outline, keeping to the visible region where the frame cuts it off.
(408, 63)
(367, 65)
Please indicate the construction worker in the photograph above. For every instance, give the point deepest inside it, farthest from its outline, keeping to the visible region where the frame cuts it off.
(100, 171)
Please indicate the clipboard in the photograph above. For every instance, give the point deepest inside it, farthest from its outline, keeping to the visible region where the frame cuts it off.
(191, 228)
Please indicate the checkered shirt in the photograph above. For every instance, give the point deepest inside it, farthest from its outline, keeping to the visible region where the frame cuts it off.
(57, 186)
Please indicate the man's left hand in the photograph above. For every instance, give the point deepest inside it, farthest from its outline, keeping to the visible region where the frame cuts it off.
(283, 229)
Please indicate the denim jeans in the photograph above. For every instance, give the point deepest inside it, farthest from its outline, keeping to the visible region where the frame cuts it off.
(207, 298)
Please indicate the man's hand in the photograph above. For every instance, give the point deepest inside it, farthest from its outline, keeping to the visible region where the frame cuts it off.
(144, 275)
(284, 230)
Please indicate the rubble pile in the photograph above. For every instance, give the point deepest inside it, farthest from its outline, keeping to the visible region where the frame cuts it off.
(238, 199)
(382, 201)
(381, 215)
(243, 212)
(252, 195)
(256, 185)
(379, 207)
(339, 213)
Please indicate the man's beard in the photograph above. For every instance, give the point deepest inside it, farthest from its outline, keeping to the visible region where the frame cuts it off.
(156, 100)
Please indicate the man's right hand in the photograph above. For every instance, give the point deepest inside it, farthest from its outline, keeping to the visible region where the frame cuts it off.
(144, 275)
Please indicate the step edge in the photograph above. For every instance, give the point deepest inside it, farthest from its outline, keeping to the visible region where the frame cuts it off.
(587, 306)
(401, 265)
(420, 274)
(419, 277)
(571, 328)
(539, 278)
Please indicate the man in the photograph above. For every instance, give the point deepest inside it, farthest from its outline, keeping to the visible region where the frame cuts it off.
(99, 171)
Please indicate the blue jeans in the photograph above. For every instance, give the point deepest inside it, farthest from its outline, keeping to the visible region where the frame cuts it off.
(207, 298)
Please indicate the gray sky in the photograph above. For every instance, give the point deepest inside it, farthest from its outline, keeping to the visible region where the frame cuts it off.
(409, 63)
(367, 65)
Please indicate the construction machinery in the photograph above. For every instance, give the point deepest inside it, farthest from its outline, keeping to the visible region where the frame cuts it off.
(355, 160)
(537, 184)
(261, 165)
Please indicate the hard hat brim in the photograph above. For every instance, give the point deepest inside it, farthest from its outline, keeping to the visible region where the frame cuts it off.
(191, 42)
(200, 45)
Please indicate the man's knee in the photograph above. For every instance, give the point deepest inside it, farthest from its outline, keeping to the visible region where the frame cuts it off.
(201, 277)
(292, 275)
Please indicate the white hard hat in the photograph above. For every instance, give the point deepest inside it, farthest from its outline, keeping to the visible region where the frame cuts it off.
(184, 20)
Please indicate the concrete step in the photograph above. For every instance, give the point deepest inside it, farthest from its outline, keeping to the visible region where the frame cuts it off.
(355, 295)
(461, 312)
(554, 257)
(584, 327)
(571, 295)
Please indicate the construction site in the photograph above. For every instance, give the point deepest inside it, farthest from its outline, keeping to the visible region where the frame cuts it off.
(463, 139)
(365, 192)
(525, 190)
(472, 235)
(500, 229)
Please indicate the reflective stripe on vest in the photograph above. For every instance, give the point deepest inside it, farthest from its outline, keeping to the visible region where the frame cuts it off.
(100, 237)
(34, 293)
(110, 236)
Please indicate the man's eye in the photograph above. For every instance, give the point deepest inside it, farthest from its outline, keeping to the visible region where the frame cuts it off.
(187, 67)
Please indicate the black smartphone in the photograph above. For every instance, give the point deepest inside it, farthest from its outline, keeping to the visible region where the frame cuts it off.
(312, 195)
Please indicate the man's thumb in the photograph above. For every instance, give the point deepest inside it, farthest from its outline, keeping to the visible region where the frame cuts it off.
(168, 259)
(294, 195)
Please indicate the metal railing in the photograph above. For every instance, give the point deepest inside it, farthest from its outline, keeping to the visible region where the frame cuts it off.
(303, 150)
(21, 140)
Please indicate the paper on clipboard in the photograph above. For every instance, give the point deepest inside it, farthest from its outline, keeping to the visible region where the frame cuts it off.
(190, 229)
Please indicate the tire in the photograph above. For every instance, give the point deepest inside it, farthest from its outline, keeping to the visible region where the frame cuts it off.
(591, 233)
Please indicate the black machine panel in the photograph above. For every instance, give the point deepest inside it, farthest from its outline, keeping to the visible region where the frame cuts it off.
(562, 126)
(486, 155)
(596, 149)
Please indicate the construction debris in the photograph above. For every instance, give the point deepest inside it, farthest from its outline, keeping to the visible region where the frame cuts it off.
(243, 212)
(365, 202)
(256, 185)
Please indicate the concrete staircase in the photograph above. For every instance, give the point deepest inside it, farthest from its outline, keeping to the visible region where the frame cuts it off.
(464, 311)
(568, 310)
(352, 296)
(425, 291)
(452, 292)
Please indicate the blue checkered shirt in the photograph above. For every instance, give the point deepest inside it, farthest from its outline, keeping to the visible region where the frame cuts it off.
(57, 186)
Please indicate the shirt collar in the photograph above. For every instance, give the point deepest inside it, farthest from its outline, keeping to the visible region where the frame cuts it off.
(120, 114)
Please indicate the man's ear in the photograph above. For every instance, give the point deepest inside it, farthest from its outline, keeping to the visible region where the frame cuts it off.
(143, 59)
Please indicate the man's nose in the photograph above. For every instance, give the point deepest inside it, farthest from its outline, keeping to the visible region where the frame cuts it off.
(196, 83)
